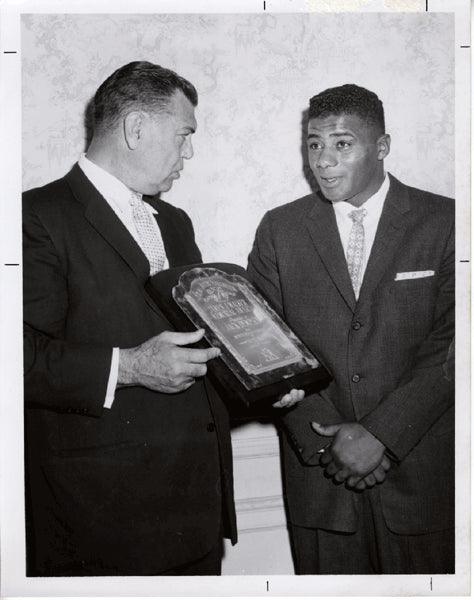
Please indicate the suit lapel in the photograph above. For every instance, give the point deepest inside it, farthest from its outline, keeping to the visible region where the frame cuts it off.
(322, 227)
(390, 232)
(101, 216)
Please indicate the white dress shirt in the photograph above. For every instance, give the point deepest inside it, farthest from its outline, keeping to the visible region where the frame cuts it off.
(117, 195)
(374, 207)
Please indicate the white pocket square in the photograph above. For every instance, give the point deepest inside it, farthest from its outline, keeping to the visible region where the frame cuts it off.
(414, 275)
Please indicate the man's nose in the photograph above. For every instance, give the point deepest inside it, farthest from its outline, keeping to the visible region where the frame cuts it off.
(187, 149)
(326, 158)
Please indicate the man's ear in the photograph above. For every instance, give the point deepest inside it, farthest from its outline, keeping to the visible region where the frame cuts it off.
(132, 125)
(383, 146)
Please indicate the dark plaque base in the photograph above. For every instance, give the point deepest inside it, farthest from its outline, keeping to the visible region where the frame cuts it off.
(261, 358)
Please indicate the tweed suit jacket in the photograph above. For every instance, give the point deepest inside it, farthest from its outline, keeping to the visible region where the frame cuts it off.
(390, 353)
(138, 488)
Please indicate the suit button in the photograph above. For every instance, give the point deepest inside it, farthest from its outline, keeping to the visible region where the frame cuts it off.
(356, 325)
(356, 378)
(211, 427)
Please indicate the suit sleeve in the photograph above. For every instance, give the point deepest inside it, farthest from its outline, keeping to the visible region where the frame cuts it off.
(263, 272)
(262, 265)
(426, 391)
(57, 374)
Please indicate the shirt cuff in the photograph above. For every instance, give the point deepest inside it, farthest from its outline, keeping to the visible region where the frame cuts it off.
(113, 377)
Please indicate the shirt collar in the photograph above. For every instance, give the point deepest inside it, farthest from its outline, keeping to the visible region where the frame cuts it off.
(372, 204)
(108, 185)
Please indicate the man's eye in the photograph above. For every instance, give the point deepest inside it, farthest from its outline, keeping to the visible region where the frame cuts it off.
(314, 146)
(343, 145)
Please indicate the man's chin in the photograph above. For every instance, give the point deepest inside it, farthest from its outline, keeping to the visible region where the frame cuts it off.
(163, 187)
(332, 197)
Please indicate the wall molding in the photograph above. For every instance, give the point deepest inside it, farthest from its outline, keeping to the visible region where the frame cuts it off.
(260, 513)
(256, 447)
(257, 513)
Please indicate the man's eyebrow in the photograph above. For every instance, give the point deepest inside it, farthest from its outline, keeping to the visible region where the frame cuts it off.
(335, 134)
(185, 130)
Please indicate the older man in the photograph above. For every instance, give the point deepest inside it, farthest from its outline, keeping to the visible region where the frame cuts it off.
(128, 456)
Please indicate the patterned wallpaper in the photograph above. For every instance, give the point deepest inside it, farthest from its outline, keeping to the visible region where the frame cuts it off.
(255, 74)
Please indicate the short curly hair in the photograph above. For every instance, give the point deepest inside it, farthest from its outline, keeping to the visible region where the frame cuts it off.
(349, 99)
(137, 85)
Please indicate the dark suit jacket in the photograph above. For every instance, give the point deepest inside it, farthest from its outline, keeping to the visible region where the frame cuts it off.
(390, 353)
(138, 488)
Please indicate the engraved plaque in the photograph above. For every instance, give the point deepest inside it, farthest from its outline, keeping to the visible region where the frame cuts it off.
(260, 356)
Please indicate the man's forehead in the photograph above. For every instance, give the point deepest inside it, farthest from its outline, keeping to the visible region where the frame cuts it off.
(338, 124)
(181, 110)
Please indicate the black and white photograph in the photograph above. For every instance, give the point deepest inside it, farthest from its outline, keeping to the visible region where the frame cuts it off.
(296, 173)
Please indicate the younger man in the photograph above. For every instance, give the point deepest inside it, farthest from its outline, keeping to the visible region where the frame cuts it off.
(363, 271)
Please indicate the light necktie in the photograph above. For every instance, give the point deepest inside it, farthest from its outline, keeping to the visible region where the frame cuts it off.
(151, 243)
(355, 249)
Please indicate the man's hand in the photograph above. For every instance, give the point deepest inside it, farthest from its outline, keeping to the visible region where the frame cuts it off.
(290, 399)
(378, 475)
(162, 364)
(354, 456)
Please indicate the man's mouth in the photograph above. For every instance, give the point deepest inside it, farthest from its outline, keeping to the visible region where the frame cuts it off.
(330, 180)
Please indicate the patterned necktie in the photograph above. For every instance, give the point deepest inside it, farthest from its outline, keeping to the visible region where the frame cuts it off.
(355, 249)
(151, 243)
